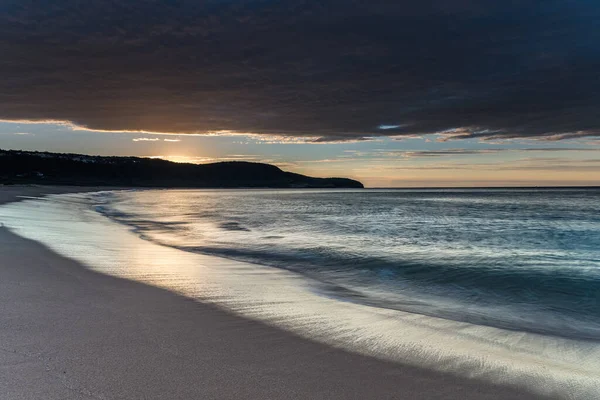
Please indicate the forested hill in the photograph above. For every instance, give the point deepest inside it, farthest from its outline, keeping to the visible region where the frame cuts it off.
(27, 167)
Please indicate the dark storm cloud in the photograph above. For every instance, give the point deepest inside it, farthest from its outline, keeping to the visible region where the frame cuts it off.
(330, 69)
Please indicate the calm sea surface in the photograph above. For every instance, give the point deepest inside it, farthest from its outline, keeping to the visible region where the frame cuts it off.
(518, 259)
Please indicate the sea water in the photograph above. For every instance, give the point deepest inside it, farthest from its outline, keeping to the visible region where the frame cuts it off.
(497, 284)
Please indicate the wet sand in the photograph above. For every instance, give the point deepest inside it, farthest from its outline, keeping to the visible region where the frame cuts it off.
(69, 333)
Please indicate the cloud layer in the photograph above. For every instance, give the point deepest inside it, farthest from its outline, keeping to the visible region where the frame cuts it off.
(331, 69)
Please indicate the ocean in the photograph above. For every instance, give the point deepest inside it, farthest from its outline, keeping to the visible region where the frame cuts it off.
(495, 284)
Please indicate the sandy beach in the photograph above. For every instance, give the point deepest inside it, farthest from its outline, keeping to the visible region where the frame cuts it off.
(70, 333)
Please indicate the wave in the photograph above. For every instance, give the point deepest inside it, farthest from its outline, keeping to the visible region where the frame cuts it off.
(546, 299)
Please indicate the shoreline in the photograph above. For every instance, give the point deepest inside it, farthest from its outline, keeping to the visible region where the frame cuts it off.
(82, 334)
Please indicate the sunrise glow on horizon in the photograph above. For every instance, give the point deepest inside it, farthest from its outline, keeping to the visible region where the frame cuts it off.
(420, 161)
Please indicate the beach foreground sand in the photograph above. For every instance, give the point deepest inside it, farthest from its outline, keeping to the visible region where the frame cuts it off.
(70, 333)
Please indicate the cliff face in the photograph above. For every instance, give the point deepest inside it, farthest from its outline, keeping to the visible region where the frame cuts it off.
(75, 169)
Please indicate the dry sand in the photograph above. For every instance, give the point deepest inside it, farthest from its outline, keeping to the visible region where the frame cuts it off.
(70, 333)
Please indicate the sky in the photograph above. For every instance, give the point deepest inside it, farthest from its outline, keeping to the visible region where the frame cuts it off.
(393, 93)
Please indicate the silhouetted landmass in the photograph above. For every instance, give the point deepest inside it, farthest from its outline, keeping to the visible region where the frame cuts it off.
(27, 167)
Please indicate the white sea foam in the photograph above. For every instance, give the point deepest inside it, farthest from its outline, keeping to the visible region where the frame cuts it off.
(548, 365)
